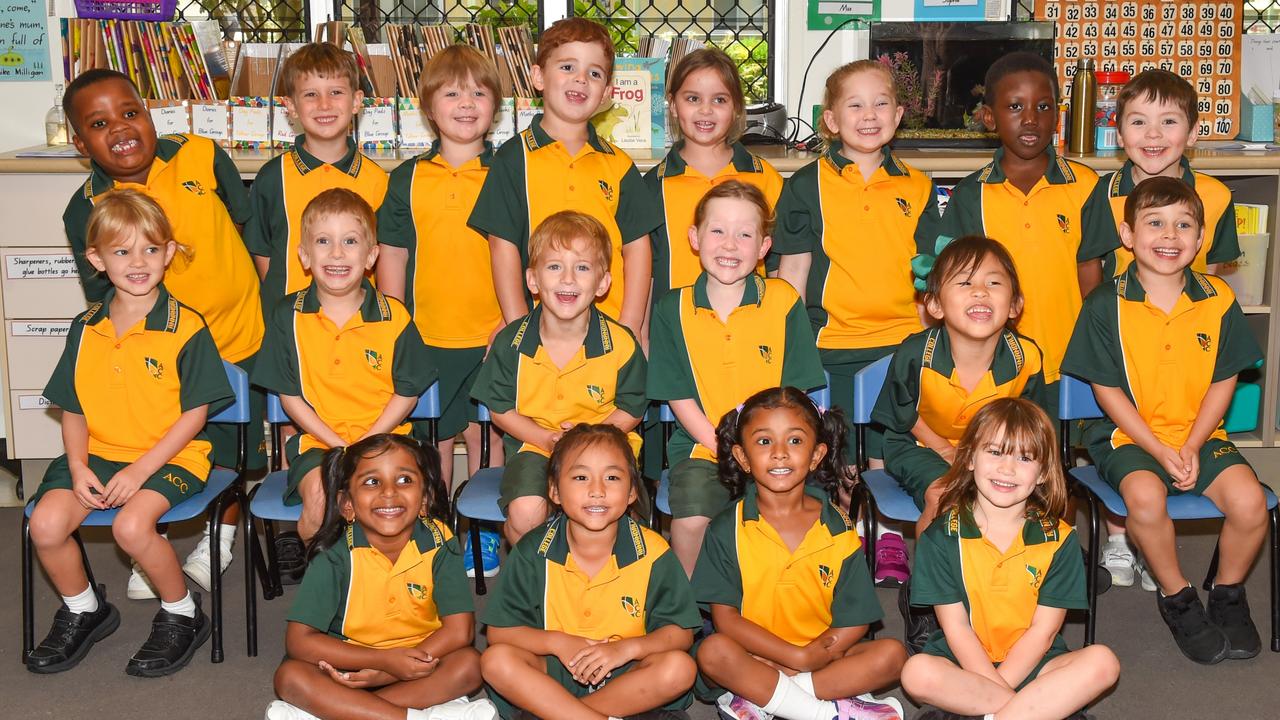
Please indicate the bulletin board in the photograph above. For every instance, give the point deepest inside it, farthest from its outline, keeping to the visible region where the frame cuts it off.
(1198, 40)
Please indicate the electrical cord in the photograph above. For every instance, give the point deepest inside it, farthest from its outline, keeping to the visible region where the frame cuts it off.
(804, 80)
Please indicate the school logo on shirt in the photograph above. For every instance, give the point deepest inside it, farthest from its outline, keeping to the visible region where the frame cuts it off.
(1204, 340)
(767, 353)
(824, 573)
(904, 206)
(1064, 224)
(607, 189)
(194, 186)
(597, 393)
(629, 604)
(374, 358)
(416, 591)
(156, 368)
(1036, 576)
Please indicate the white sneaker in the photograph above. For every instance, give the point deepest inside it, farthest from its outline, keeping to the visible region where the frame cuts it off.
(463, 709)
(1148, 582)
(197, 563)
(140, 587)
(1117, 558)
(281, 710)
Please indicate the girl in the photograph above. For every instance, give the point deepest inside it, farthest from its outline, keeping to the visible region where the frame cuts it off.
(383, 622)
(592, 616)
(785, 577)
(135, 384)
(999, 654)
(849, 225)
(707, 115)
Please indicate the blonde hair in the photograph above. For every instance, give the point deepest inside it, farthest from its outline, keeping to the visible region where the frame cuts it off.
(340, 201)
(836, 79)
(561, 229)
(318, 58)
(457, 64)
(738, 190)
(726, 69)
(120, 212)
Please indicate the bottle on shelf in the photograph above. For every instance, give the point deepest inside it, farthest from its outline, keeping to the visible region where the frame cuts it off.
(55, 121)
(1084, 97)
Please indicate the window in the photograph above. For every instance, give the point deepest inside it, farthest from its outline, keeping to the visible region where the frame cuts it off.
(253, 20)
(1261, 16)
(373, 14)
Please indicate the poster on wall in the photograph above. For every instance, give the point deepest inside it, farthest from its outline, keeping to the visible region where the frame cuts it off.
(24, 41)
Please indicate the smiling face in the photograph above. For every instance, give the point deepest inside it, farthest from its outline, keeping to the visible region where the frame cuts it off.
(779, 449)
(975, 302)
(324, 105)
(573, 81)
(1005, 477)
(731, 240)
(337, 250)
(462, 112)
(594, 487)
(1024, 113)
(114, 128)
(704, 108)
(865, 114)
(1154, 134)
(134, 264)
(386, 494)
(567, 278)
(1163, 240)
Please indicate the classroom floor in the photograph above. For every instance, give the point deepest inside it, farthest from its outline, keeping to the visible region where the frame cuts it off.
(1156, 681)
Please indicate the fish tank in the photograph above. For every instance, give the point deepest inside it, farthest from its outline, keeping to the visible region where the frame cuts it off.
(940, 68)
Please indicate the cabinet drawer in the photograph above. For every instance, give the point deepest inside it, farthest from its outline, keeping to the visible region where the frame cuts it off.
(33, 348)
(37, 429)
(40, 283)
(31, 205)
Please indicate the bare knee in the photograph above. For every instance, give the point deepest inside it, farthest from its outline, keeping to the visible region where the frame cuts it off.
(48, 526)
(717, 651)
(523, 515)
(467, 662)
(885, 658)
(919, 675)
(132, 529)
(290, 679)
(1244, 503)
(1144, 496)
(1103, 665)
(673, 670)
(497, 662)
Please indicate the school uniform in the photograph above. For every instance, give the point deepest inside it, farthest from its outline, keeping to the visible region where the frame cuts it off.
(533, 176)
(765, 342)
(1164, 363)
(923, 383)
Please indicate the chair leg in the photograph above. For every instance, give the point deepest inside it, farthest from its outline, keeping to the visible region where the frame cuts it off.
(28, 602)
(215, 577)
(249, 541)
(476, 561)
(869, 511)
(1275, 579)
(1090, 575)
(84, 558)
(1212, 572)
(272, 586)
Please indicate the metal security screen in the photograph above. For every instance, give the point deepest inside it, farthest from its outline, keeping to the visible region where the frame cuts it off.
(1261, 16)
(373, 14)
(253, 20)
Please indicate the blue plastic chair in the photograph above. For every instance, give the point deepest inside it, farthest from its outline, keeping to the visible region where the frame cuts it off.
(476, 499)
(223, 486)
(1076, 402)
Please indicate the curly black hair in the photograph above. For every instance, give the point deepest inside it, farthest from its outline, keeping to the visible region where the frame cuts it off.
(1016, 62)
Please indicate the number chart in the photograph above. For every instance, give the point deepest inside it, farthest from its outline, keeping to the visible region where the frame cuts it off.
(1199, 41)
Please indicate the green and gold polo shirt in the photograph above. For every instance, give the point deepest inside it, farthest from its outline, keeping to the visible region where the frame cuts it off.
(694, 353)
(1042, 231)
(346, 374)
(281, 191)
(923, 383)
(797, 595)
(449, 278)
(201, 192)
(641, 588)
(1104, 211)
(606, 374)
(1000, 589)
(356, 594)
(131, 389)
(534, 176)
(679, 188)
(1164, 362)
(862, 236)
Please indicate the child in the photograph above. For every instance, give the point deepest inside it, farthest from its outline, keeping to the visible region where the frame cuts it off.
(1002, 567)
(201, 192)
(346, 360)
(784, 576)
(593, 617)
(136, 382)
(384, 604)
(1029, 199)
(321, 87)
(1162, 346)
(559, 163)
(707, 113)
(562, 364)
(716, 342)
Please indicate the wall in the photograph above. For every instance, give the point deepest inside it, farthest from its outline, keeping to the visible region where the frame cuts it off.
(849, 44)
(25, 103)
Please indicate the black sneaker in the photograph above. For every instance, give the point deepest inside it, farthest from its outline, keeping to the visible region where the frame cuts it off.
(291, 557)
(1198, 638)
(173, 640)
(1229, 610)
(72, 636)
(918, 623)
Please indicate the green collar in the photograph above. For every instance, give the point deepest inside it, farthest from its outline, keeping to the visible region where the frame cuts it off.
(425, 534)
(1195, 286)
(305, 162)
(1058, 172)
(1005, 366)
(99, 181)
(752, 294)
(743, 161)
(628, 547)
(1122, 181)
(535, 137)
(163, 316)
(836, 520)
(599, 340)
(373, 308)
(486, 156)
(1036, 529)
(890, 163)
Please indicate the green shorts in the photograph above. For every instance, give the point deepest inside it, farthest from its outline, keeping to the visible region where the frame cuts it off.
(299, 466)
(1114, 465)
(458, 369)
(937, 646)
(174, 483)
(914, 467)
(224, 436)
(525, 474)
(841, 366)
(696, 490)
(561, 674)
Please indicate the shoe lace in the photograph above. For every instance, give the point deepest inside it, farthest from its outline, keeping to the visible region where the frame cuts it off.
(1119, 554)
(890, 553)
(1233, 611)
(1188, 622)
(163, 635)
(63, 632)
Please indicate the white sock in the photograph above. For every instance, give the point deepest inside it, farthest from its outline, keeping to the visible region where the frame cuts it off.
(412, 714)
(790, 701)
(86, 601)
(881, 529)
(186, 607)
(226, 537)
(1118, 537)
(805, 681)
(989, 716)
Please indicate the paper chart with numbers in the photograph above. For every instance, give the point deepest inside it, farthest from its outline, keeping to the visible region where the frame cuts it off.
(1198, 40)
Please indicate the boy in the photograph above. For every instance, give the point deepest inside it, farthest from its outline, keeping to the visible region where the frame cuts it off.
(437, 265)
(201, 192)
(139, 376)
(559, 163)
(1157, 118)
(1029, 199)
(717, 342)
(562, 364)
(346, 360)
(1162, 346)
(321, 88)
